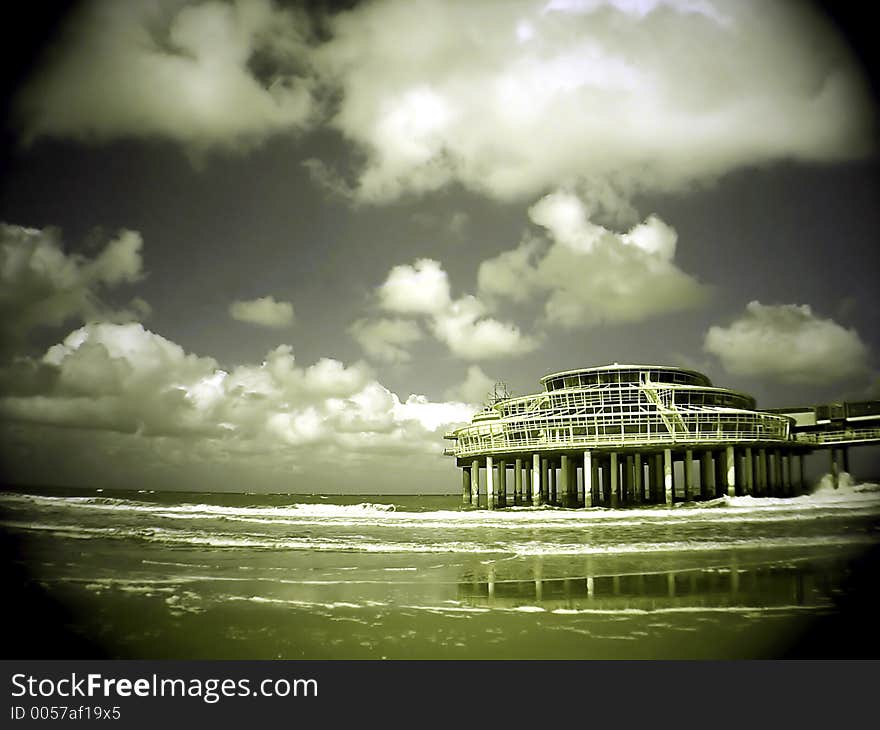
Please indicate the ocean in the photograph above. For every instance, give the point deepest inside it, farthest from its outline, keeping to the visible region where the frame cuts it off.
(185, 575)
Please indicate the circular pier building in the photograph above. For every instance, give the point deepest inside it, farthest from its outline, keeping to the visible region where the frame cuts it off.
(623, 435)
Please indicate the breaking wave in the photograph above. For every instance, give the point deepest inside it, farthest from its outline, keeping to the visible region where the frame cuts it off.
(364, 544)
(852, 501)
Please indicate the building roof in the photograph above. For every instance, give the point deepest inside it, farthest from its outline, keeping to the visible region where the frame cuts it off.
(619, 366)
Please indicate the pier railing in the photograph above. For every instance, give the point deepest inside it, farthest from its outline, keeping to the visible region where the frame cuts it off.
(587, 433)
(852, 435)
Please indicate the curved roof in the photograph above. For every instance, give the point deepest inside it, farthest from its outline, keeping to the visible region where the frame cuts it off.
(673, 386)
(618, 366)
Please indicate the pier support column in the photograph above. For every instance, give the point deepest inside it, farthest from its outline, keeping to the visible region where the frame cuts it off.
(707, 482)
(731, 471)
(614, 480)
(502, 483)
(688, 474)
(588, 479)
(786, 474)
(762, 473)
(490, 483)
(652, 478)
(668, 480)
(756, 473)
(720, 474)
(545, 480)
(517, 481)
(475, 484)
(739, 461)
(626, 492)
(639, 480)
(564, 481)
(536, 480)
(802, 480)
(777, 473)
(658, 487)
(466, 486)
(835, 468)
(552, 486)
(594, 480)
(844, 452)
(749, 469)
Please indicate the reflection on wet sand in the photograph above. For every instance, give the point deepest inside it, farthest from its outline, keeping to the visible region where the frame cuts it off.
(795, 583)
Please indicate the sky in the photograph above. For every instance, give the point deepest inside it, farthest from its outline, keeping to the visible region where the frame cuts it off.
(272, 246)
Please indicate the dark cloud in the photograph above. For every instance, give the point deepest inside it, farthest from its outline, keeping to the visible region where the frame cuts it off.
(40, 284)
(205, 74)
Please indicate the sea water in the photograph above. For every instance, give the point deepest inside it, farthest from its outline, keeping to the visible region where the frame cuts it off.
(200, 575)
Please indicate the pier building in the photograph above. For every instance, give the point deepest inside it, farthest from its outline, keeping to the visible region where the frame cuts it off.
(621, 435)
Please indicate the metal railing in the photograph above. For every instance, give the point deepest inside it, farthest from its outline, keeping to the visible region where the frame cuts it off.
(500, 444)
(851, 435)
(643, 415)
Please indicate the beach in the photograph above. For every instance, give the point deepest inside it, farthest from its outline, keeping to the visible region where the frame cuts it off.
(184, 575)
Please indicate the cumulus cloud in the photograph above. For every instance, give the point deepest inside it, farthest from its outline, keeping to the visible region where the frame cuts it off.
(117, 377)
(265, 312)
(43, 285)
(589, 274)
(461, 324)
(789, 343)
(386, 339)
(422, 288)
(204, 74)
(507, 99)
(471, 335)
(432, 415)
(126, 379)
(116, 404)
(510, 99)
(475, 388)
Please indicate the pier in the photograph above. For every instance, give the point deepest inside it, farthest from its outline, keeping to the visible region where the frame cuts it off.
(623, 435)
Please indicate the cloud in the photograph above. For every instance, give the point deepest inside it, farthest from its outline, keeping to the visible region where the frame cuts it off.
(422, 288)
(206, 74)
(458, 223)
(589, 274)
(610, 97)
(117, 377)
(432, 415)
(472, 336)
(265, 312)
(44, 286)
(386, 339)
(118, 404)
(507, 99)
(788, 343)
(126, 379)
(462, 324)
(475, 388)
